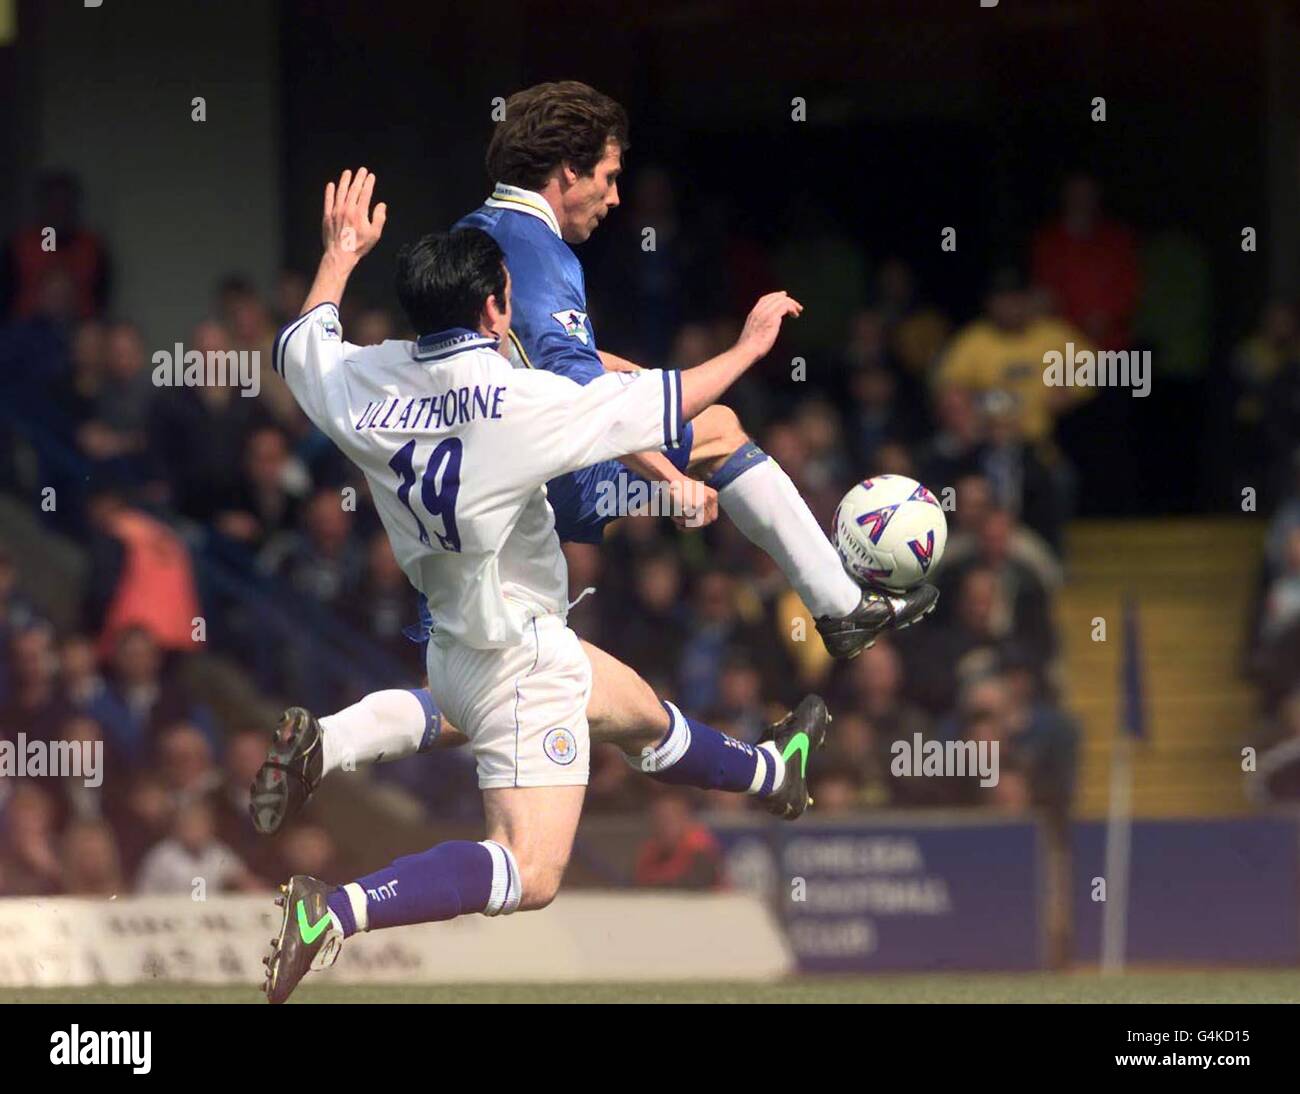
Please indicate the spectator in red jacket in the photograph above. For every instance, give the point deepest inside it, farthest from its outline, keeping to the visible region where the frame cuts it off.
(141, 576)
(681, 853)
(1090, 264)
(56, 241)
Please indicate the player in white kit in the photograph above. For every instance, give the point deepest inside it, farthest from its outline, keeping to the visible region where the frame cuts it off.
(456, 445)
(557, 158)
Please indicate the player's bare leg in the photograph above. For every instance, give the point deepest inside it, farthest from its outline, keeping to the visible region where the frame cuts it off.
(763, 503)
(623, 709)
(537, 824)
(519, 867)
(669, 747)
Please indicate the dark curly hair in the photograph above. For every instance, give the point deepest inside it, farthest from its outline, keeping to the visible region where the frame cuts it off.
(551, 124)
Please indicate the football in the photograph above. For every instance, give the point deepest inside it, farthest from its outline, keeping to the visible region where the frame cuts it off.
(890, 531)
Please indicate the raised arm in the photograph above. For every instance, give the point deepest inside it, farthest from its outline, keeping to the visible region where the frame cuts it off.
(349, 231)
(307, 349)
(563, 425)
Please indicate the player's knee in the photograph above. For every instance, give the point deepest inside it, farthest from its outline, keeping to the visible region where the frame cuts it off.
(539, 884)
(535, 873)
(718, 436)
(720, 424)
(630, 716)
(647, 728)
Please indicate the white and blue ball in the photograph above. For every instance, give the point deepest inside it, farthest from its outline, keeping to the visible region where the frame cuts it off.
(890, 531)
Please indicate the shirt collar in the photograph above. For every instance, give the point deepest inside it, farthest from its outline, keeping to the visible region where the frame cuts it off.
(444, 343)
(524, 201)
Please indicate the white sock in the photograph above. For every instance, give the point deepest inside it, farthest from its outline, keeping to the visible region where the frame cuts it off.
(385, 725)
(506, 891)
(778, 764)
(360, 909)
(764, 504)
(769, 762)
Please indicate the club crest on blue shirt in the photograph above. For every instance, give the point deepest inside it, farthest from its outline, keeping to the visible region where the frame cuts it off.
(573, 322)
(559, 746)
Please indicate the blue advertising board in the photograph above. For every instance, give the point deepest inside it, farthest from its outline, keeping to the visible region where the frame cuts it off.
(955, 894)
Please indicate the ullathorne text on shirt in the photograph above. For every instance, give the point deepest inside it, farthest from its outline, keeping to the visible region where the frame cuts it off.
(458, 406)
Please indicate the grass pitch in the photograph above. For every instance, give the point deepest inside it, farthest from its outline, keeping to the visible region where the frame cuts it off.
(1083, 987)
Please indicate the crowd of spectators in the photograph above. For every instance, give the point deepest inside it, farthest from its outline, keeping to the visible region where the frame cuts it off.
(252, 512)
(164, 801)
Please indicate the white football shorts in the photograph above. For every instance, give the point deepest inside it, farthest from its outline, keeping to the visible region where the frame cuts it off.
(523, 708)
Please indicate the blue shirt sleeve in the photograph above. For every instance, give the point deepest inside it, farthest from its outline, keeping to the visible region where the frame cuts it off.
(550, 307)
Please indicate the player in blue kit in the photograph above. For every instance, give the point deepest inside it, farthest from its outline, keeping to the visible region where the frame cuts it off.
(556, 158)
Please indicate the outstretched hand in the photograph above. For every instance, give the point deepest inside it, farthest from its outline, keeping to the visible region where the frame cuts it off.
(348, 228)
(764, 322)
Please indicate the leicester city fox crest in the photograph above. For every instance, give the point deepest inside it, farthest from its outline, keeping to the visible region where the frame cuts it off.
(560, 747)
(574, 323)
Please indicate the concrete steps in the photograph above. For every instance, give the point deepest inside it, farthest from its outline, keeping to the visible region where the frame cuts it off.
(1192, 581)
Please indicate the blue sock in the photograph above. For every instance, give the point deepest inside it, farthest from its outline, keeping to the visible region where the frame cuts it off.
(693, 754)
(746, 456)
(450, 879)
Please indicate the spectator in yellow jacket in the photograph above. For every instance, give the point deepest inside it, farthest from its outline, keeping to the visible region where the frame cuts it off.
(1004, 350)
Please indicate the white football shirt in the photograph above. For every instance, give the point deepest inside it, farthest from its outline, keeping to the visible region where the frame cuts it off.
(457, 445)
